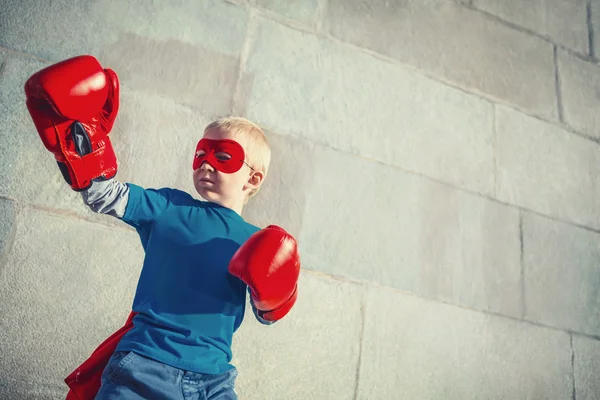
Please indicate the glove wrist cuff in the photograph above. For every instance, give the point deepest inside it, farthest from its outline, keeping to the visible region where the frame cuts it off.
(281, 311)
(81, 170)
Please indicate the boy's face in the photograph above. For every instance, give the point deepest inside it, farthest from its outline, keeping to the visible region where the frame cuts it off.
(228, 189)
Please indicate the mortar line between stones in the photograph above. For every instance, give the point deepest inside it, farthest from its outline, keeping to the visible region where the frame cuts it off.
(75, 215)
(574, 391)
(24, 54)
(557, 85)
(361, 339)
(494, 152)
(244, 53)
(10, 239)
(522, 266)
(2, 67)
(320, 25)
(590, 26)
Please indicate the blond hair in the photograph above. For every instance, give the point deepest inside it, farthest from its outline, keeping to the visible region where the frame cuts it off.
(258, 150)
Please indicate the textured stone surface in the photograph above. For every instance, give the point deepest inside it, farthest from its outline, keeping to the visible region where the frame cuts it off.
(206, 81)
(282, 198)
(410, 207)
(476, 53)
(32, 391)
(426, 350)
(145, 51)
(310, 354)
(332, 95)
(586, 368)
(67, 284)
(546, 169)
(562, 21)
(47, 30)
(580, 89)
(561, 275)
(382, 225)
(305, 11)
(7, 220)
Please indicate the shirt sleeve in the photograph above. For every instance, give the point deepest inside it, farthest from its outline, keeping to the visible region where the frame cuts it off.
(145, 205)
(131, 203)
(107, 197)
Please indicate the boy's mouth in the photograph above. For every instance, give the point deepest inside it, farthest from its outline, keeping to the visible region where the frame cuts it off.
(205, 180)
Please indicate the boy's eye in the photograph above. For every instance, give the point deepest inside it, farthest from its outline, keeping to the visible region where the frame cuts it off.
(222, 156)
(200, 153)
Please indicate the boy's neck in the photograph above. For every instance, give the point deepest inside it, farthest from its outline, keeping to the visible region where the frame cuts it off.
(238, 208)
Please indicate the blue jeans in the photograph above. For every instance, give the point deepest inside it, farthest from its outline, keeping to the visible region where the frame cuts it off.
(130, 376)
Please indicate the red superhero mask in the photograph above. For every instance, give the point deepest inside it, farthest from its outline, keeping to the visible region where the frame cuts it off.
(224, 155)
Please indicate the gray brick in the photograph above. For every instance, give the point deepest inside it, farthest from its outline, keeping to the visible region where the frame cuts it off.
(563, 21)
(190, 54)
(428, 350)
(587, 368)
(478, 54)
(7, 220)
(62, 296)
(305, 11)
(282, 198)
(562, 279)
(370, 222)
(320, 337)
(546, 169)
(580, 89)
(333, 95)
(595, 25)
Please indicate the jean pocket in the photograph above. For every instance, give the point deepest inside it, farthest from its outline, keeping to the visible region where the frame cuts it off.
(117, 364)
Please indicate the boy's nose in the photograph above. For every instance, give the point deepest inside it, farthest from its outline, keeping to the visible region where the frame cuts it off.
(206, 166)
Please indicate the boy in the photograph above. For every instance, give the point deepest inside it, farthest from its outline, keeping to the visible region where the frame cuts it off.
(200, 256)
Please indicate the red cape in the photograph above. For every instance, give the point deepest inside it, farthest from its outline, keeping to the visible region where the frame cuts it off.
(84, 382)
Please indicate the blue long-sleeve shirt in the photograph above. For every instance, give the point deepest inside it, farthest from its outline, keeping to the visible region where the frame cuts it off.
(188, 304)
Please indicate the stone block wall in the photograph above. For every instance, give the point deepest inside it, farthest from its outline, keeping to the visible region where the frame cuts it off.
(438, 161)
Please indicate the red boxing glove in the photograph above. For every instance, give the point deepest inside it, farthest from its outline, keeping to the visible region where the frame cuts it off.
(73, 105)
(268, 262)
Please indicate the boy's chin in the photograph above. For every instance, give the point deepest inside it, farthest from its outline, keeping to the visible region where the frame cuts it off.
(205, 194)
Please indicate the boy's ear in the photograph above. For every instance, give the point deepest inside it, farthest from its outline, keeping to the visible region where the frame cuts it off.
(256, 179)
